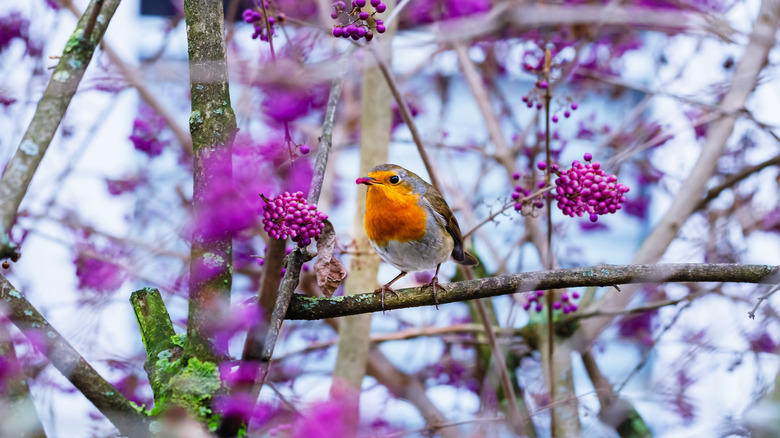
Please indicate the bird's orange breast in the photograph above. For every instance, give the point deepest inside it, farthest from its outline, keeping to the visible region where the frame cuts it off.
(393, 215)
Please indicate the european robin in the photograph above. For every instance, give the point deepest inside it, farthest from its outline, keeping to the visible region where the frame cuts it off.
(410, 225)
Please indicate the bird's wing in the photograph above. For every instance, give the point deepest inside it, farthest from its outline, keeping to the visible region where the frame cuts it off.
(439, 205)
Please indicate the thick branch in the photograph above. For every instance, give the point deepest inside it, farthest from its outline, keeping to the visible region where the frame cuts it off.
(106, 398)
(156, 328)
(600, 275)
(51, 109)
(213, 127)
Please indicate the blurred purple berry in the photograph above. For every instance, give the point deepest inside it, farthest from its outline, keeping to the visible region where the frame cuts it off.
(381, 7)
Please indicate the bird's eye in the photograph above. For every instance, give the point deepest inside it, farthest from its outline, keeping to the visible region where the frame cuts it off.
(394, 179)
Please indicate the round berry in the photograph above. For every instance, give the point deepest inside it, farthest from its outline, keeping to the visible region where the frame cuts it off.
(555, 119)
(305, 149)
(337, 32)
(543, 85)
(381, 28)
(587, 156)
(375, 3)
(360, 3)
(381, 7)
(363, 15)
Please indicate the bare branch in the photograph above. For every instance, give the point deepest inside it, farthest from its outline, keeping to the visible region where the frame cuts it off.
(51, 109)
(106, 398)
(601, 275)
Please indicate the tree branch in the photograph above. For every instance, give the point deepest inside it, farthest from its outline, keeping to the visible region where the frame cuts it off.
(692, 190)
(106, 398)
(213, 127)
(51, 109)
(601, 275)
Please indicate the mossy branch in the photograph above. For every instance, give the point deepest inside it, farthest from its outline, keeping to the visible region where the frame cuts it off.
(309, 308)
(50, 111)
(213, 128)
(157, 334)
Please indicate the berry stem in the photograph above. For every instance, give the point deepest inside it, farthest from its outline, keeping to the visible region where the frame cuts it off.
(548, 262)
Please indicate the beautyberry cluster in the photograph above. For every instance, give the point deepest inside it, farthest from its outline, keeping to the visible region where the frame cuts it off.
(534, 301)
(586, 188)
(520, 191)
(255, 18)
(290, 215)
(358, 23)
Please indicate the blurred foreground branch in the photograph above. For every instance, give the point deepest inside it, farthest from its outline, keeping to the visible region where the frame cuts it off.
(601, 275)
(49, 113)
(106, 398)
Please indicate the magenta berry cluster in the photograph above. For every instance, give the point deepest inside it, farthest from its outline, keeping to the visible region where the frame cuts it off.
(358, 23)
(289, 215)
(586, 188)
(255, 18)
(535, 301)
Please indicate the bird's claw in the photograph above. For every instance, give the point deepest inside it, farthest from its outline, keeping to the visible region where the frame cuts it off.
(434, 284)
(382, 290)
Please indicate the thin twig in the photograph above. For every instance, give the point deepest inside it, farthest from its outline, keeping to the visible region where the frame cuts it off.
(260, 344)
(761, 299)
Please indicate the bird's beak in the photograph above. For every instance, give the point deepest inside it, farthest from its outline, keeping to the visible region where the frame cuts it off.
(367, 180)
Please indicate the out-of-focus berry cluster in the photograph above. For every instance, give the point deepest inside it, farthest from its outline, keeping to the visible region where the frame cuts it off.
(357, 23)
(289, 215)
(520, 191)
(255, 18)
(586, 188)
(535, 301)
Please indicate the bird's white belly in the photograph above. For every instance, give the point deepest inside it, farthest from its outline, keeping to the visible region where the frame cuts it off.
(421, 255)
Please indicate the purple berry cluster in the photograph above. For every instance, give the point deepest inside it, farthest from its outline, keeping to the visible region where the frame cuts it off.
(357, 23)
(520, 191)
(290, 215)
(534, 301)
(255, 18)
(586, 188)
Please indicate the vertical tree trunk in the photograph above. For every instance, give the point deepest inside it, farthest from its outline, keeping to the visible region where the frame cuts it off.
(213, 127)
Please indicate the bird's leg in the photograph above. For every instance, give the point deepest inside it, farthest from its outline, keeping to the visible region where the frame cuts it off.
(386, 288)
(434, 284)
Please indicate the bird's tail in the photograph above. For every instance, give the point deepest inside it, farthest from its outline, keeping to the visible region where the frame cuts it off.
(465, 258)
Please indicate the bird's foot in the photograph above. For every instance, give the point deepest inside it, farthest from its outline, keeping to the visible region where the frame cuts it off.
(434, 285)
(382, 290)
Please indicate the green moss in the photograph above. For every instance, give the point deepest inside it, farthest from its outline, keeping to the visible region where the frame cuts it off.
(190, 386)
(74, 40)
(179, 339)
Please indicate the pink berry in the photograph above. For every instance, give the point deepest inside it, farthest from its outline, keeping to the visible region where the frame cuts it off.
(337, 32)
(304, 149)
(381, 7)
